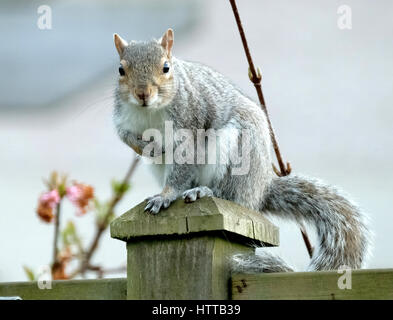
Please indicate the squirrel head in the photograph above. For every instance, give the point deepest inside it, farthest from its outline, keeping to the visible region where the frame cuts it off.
(146, 71)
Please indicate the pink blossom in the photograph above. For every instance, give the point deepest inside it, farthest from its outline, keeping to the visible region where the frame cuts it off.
(50, 198)
(46, 203)
(80, 195)
(74, 193)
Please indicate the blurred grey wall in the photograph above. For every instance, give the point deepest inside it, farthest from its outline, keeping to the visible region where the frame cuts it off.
(41, 66)
(329, 93)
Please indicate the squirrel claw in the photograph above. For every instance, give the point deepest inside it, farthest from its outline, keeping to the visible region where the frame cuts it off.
(156, 203)
(192, 195)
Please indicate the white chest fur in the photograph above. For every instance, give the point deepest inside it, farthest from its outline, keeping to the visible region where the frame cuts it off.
(137, 119)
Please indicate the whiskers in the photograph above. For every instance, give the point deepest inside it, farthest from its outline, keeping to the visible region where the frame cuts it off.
(165, 91)
(103, 100)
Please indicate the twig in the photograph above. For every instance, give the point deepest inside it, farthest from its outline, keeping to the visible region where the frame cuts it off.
(56, 236)
(104, 223)
(101, 272)
(255, 77)
(306, 240)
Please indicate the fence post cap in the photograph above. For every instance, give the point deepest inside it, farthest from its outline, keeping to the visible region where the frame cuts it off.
(206, 215)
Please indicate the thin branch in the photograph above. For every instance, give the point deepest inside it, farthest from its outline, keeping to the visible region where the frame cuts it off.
(306, 240)
(101, 271)
(256, 77)
(101, 227)
(56, 235)
(116, 198)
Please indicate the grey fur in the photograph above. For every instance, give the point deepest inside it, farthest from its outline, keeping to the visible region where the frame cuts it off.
(197, 97)
(257, 263)
(343, 236)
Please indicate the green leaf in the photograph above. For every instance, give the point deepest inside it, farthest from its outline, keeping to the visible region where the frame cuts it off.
(62, 190)
(29, 273)
(120, 188)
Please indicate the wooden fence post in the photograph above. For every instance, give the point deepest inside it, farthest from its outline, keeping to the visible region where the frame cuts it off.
(184, 251)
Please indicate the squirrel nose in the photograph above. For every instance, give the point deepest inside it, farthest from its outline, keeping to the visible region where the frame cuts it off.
(141, 96)
(143, 93)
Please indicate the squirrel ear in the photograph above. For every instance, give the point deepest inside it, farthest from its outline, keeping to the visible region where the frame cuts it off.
(120, 43)
(167, 41)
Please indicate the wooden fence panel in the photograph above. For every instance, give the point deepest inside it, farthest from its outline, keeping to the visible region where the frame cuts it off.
(102, 289)
(323, 285)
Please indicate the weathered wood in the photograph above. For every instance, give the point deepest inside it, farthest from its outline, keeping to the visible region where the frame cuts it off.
(184, 268)
(184, 252)
(366, 284)
(102, 289)
(204, 215)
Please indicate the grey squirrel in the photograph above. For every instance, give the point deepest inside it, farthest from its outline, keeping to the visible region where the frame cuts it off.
(155, 87)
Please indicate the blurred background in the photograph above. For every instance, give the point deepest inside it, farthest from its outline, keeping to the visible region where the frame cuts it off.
(329, 93)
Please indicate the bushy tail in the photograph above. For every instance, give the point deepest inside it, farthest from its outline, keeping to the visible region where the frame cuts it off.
(342, 233)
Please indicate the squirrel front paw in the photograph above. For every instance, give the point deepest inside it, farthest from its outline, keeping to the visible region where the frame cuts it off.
(192, 195)
(157, 202)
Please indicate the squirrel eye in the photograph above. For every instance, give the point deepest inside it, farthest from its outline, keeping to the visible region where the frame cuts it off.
(166, 67)
(121, 71)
